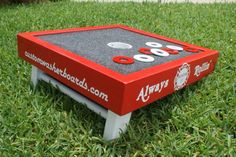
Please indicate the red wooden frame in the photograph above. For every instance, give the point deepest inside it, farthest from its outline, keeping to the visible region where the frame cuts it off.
(122, 89)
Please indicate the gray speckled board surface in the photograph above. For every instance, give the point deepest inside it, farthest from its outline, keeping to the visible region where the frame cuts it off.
(93, 46)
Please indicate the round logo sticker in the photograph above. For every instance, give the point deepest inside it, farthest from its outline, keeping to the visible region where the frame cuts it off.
(182, 76)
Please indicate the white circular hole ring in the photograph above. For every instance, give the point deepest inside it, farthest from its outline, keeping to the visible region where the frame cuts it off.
(119, 45)
(178, 48)
(160, 52)
(153, 44)
(144, 58)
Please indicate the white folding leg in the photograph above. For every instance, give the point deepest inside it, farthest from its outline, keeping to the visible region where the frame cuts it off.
(35, 75)
(115, 124)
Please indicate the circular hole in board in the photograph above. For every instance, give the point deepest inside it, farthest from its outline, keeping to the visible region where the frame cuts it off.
(119, 45)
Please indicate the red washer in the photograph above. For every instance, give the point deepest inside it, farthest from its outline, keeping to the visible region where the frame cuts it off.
(123, 60)
(146, 51)
(170, 51)
(189, 49)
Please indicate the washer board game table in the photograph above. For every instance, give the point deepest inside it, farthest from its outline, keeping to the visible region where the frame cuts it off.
(114, 69)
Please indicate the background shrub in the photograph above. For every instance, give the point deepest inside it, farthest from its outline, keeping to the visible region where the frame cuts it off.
(4, 2)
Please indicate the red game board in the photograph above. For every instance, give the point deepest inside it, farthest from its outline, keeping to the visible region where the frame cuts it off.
(120, 68)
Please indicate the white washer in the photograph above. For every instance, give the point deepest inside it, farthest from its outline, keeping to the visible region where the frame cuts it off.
(160, 52)
(173, 47)
(144, 58)
(119, 45)
(153, 44)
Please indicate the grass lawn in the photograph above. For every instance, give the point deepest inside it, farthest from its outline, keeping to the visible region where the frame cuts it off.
(199, 120)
